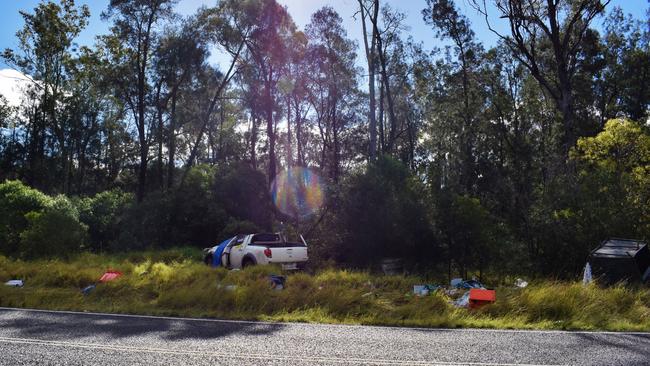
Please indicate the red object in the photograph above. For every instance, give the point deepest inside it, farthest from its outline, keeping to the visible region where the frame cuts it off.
(479, 297)
(109, 275)
(267, 253)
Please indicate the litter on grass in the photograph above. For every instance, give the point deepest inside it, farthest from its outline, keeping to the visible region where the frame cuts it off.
(87, 290)
(424, 290)
(479, 297)
(110, 275)
(15, 283)
(520, 283)
(586, 275)
(463, 301)
(469, 284)
(277, 282)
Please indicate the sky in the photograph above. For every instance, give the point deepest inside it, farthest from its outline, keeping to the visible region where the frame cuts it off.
(300, 10)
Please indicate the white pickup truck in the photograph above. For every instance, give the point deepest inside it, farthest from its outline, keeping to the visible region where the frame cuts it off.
(250, 249)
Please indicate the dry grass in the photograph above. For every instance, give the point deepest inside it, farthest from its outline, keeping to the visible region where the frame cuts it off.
(175, 282)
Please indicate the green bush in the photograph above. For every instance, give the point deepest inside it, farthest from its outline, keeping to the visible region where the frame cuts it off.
(243, 193)
(54, 232)
(16, 201)
(382, 213)
(103, 215)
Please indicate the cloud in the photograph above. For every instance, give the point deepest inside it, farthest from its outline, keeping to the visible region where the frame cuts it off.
(13, 85)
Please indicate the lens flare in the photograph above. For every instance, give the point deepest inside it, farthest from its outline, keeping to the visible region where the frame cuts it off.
(298, 192)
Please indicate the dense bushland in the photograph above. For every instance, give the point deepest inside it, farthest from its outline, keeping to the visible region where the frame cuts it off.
(379, 211)
(454, 156)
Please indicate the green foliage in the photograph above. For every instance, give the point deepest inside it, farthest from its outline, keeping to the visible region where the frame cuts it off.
(383, 214)
(54, 232)
(102, 214)
(615, 178)
(474, 238)
(16, 202)
(243, 193)
(197, 215)
(610, 198)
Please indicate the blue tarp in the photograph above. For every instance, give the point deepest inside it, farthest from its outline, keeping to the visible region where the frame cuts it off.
(218, 252)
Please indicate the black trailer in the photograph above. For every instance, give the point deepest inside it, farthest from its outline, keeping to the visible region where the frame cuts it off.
(620, 260)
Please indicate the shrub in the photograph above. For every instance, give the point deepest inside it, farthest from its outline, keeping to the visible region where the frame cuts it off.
(243, 193)
(103, 215)
(383, 214)
(16, 201)
(54, 232)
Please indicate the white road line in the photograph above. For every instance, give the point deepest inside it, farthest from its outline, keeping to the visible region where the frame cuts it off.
(327, 325)
(230, 355)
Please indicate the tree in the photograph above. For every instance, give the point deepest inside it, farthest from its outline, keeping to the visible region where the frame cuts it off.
(267, 51)
(622, 68)
(134, 25)
(370, 9)
(616, 165)
(332, 85)
(45, 52)
(444, 17)
(547, 38)
(180, 55)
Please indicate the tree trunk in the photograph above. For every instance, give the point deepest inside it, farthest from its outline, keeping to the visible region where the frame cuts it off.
(171, 144)
(270, 131)
(161, 179)
(299, 143)
(253, 144)
(384, 77)
(289, 149)
(370, 57)
(382, 138)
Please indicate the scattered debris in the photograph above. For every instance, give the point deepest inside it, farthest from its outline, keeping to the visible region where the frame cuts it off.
(463, 301)
(451, 292)
(479, 297)
(586, 275)
(469, 284)
(110, 275)
(88, 289)
(424, 290)
(15, 283)
(521, 283)
(455, 281)
(420, 290)
(277, 282)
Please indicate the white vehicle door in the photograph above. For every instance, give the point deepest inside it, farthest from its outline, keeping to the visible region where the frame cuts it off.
(237, 252)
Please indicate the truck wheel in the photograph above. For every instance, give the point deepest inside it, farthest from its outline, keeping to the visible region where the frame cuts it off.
(247, 262)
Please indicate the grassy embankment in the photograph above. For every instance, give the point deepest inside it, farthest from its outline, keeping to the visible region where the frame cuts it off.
(170, 283)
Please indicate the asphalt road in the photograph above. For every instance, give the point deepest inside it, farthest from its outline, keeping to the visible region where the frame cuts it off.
(31, 337)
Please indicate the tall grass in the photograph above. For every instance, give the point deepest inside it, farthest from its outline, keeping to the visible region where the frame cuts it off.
(175, 282)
